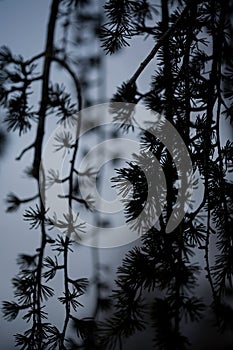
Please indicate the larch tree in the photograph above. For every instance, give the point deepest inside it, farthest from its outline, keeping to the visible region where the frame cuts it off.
(68, 52)
(191, 90)
(191, 87)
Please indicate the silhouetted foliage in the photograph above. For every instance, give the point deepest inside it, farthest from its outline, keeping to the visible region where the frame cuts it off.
(33, 285)
(191, 86)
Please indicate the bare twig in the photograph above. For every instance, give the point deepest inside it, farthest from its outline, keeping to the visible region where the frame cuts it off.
(25, 150)
(158, 45)
(35, 58)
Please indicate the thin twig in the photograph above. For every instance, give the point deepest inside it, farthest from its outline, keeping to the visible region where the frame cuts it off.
(30, 199)
(79, 200)
(70, 196)
(38, 155)
(159, 45)
(25, 150)
(73, 75)
(35, 58)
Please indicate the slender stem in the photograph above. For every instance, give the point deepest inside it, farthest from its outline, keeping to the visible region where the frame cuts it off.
(70, 195)
(26, 200)
(66, 283)
(40, 259)
(158, 45)
(25, 150)
(37, 157)
(59, 181)
(187, 72)
(79, 200)
(207, 140)
(65, 65)
(226, 228)
(88, 173)
(35, 58)
(45, 87)
(213, 83)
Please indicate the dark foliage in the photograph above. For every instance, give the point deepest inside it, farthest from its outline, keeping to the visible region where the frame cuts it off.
(34, 284)
(157, 283)
(192, 87)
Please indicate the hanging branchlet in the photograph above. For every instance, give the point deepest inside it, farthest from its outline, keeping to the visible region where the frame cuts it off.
(60, 102)
(125, 19)
(33, 285)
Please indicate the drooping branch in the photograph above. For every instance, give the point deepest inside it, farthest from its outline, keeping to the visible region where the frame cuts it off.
(38, 154)
(67, 67)
(45, 87)
(158, 45)
(24, 151)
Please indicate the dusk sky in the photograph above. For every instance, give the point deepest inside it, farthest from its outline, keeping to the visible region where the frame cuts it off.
(23, 27)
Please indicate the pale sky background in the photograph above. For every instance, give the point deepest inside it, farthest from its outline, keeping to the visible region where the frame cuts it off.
(22, 28)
